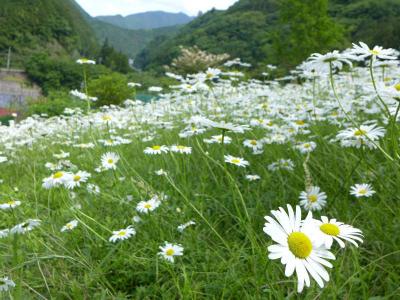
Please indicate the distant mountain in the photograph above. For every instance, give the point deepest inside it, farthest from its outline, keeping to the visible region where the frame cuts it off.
(147, 20)
(128, 41)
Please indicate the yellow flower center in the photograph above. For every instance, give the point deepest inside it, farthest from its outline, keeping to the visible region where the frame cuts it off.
(362, 191)
(77, 178)
(122, 233)
(312, 198)
(235, 161)
(156, 147)
(147, 206)
(397, 87)
(374, 52)
(359, 132)
(58, 175)
(170, 252)
(110, 160)
(300, 122)
(180, 147)
(330, 229)
(253, 142)
(306, 146)
(299, 244)
(106, 118)
(69, 226)
(11, 202)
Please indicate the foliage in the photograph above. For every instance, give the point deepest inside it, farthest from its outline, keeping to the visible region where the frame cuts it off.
(51, 73)
(112, 59)
(49, 25)
(52, 105)
(110, 89)
(59, 73)
(304, 27)
(193, 60)
(250, 28)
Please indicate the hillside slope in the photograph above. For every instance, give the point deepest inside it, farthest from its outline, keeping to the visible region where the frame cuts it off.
(147, 20)
(52, 26)
(129, 42)
(245, 30)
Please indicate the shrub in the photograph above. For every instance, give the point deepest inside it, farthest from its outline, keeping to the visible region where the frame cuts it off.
(110, 89)
(53, 105)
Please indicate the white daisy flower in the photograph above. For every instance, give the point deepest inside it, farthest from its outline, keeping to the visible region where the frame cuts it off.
(61, 155)
(157, 149)
(6, 284)
(362, 190)
(122, 234)
(182, 227)
(69, 226)
(148, 206)
(109, 160)
(238, 161)
(297, 248)
(93, 189)
(306, 147)
(75, 180)
(364, 51)
(4, 233)
(365, 135)
(313, 199)
(169, 251)
(85, 61)
(331, 230)
(252, 177)
(181, 149)
(253, 144)
(26, 226)
(161, 172)
(3, 159)
(10, 204)
(55, 180)
(217, 139)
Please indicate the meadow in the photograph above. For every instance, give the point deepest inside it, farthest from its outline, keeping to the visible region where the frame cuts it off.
(167, 199)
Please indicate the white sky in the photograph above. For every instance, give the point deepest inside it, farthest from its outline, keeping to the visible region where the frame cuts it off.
(126, 7)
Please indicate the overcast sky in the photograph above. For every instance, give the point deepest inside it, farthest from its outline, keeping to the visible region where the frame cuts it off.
(126, 7)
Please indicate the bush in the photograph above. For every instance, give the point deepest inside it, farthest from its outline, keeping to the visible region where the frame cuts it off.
(110, 89)
(53, 105)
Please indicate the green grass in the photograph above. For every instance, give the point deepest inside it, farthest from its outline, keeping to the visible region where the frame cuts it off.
(225, 254)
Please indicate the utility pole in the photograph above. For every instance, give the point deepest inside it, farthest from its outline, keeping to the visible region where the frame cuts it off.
(9, 58)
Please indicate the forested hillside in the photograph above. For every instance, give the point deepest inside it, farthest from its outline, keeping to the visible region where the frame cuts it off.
(147, 20)
(250, 29)
(128, 41)
(52, 26)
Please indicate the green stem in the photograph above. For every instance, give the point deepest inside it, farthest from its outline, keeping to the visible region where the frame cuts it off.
(371, 71)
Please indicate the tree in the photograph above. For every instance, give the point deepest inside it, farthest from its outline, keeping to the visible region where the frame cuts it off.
(304, 27)
(112, 59)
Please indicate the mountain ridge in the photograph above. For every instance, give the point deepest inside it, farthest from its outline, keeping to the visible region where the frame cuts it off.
(147, 20)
